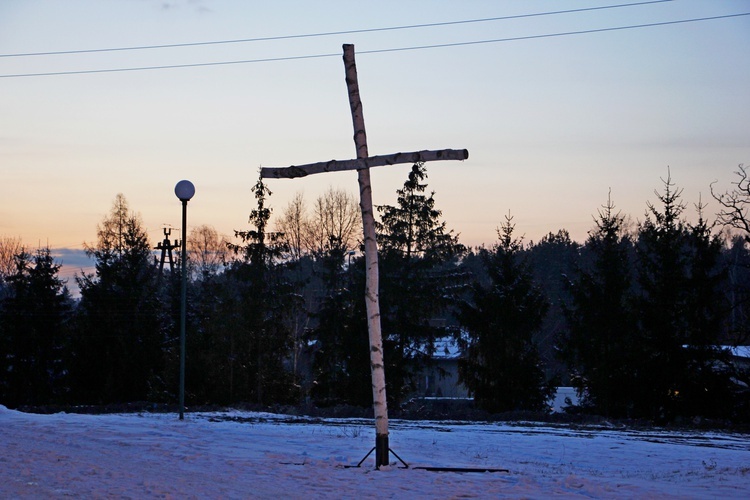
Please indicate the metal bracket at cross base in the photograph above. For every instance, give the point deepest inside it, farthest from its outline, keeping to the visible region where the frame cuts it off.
(384, 454)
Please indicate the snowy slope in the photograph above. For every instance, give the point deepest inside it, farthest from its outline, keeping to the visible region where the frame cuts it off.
(254, 455)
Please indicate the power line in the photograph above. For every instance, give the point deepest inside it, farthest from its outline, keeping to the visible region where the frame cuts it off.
(170, 66)
(329, 33)
(374, 51)
(552, 35)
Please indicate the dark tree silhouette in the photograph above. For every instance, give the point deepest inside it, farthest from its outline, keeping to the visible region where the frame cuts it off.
(680, 311)
(34, 321)
(733, 215)
(339, 341)
(122, 327)
(501, 365)
(663, 307)
(260, 338)
(707, 387)
(551, 261)
(600, 345)
(418, 257)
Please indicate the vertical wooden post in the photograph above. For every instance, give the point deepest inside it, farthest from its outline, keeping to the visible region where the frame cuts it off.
(377, 367)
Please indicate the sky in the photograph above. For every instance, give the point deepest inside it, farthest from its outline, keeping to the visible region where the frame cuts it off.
(235, 454)
(552, 122)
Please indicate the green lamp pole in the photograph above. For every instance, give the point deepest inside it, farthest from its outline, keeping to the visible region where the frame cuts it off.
(184, 191)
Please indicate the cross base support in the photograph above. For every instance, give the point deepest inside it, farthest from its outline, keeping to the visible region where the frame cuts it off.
(381, 450)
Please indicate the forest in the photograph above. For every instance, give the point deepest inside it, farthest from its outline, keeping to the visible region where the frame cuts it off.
(637, 318)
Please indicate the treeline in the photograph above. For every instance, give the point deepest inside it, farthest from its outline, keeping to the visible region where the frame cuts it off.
(635, 317)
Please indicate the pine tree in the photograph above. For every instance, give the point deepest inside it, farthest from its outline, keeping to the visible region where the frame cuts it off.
(501, 365)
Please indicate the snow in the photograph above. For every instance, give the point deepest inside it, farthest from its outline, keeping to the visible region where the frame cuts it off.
(565, 397)
(255, 455)
(740, 351)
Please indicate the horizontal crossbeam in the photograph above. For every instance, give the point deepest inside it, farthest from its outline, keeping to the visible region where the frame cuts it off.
(371, 161)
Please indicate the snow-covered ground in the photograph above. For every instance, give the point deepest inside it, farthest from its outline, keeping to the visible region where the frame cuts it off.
(255, 455)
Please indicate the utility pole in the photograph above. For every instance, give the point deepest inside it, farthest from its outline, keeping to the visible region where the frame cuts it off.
(166, 248)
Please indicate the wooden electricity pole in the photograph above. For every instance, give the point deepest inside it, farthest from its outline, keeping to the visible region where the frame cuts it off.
(362, 164)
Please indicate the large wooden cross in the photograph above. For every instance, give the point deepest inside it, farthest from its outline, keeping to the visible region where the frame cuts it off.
(362, 165)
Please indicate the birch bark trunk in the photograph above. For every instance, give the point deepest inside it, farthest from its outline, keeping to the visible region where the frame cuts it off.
(372, 301)
(370, 161)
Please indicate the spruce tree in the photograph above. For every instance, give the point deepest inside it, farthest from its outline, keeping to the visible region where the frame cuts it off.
(34, 325)
(680, 311)
(552, 260)
(261, 339)
(663, 279)
(338, 340)
(418, 255)
(413, 228)
(600, 345)
(707, 388)
(122, 326)
(501, 365)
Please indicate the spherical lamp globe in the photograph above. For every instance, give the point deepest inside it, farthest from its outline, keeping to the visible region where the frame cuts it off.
(184, 190)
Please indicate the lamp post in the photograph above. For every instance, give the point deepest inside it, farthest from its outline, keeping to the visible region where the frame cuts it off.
(184, 191)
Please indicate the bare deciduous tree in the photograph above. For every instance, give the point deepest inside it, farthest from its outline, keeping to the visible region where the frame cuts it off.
(335, 220)
(735, 203)
(208, 250)
(292, 225)
(10, 246)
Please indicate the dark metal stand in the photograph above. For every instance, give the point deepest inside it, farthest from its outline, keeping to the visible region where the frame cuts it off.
(377, 466)
(430, 469)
